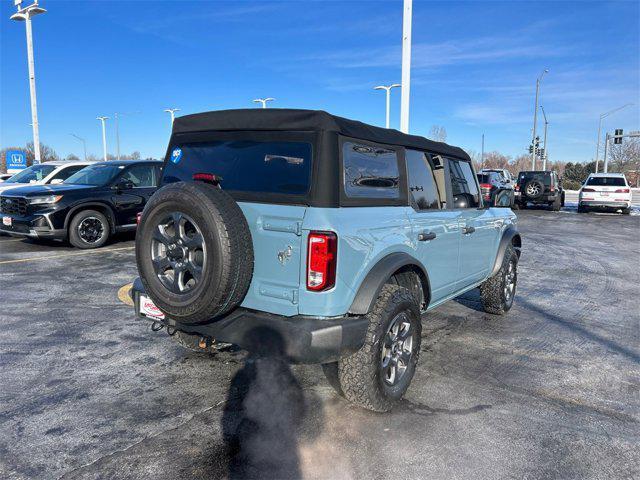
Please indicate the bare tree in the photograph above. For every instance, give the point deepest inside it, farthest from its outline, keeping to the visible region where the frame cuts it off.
(438, 133)
(625, 156)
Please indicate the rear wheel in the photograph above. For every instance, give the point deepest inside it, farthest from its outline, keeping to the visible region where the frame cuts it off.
(378, 375)
(626, 211)
(89, 229)
(557, 204)
(582, 209)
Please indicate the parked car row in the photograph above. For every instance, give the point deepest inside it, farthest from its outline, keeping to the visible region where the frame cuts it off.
(84, 203)
(610, 191)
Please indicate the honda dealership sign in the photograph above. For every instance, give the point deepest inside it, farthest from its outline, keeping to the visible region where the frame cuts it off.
(16, 161)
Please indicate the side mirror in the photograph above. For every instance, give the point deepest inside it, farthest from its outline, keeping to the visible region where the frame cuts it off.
(56, 181)
(123, 185)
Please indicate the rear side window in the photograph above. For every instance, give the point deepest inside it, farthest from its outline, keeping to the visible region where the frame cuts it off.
(422, 185)
(370, 171)
(141, 176)
(245, 166)
(483, 178)
(607, 182)
(67, 172)
(463, 185)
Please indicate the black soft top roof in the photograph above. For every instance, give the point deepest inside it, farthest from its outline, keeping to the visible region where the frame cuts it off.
(256, 119)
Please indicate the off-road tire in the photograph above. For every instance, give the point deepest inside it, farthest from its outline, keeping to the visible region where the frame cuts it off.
(412, 282)
(492, 290)
(532, 183)
(626, 211)
(360, 374)
(74, 236)
(228, 265)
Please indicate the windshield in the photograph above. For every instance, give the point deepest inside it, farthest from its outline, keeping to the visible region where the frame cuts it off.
(607, 182)
(98, 175)
(34, 173)
(483, 178)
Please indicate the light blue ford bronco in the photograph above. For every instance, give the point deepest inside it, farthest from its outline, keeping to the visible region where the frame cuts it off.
(317, 238)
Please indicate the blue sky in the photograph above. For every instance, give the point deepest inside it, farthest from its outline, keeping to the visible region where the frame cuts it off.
(474, 67)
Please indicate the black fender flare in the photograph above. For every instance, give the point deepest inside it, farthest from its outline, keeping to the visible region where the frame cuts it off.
(378, 276)
(84, 206)
(509, 236)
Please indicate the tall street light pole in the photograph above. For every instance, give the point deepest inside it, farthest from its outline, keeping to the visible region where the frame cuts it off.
(84, 144)
(24, 15)
(482, 154)
(116, 116)
(603, 116)
(406, 65)
(172, 112)
(535, 119)
(264, 101)
(546, 151)
(388, 90)
(104, 136)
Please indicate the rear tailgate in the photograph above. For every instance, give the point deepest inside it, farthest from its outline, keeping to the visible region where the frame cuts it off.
(276, 231)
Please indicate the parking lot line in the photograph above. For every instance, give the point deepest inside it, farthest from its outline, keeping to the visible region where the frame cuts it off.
(123, 294)
(49, 257)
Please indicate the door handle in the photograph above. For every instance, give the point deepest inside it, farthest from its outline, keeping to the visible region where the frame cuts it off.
(424, 236)
(468, 230)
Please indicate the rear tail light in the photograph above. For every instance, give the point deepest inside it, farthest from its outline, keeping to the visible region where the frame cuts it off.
(322, 256)
(622, 190)
(207, 178)
(485, 186)
(552, 188)
(588, 189)
(517, 188)
(138, 218)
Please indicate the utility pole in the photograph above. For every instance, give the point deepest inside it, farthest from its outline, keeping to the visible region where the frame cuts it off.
(116, 116)
(546, 150)
(24, 15)
(172, 112)
(104, 136)
(482, 154)
(602, 116)
(264, 101)
(84, 144)
(606, 147)
(535, 119)
(388, 91)
(406, 65)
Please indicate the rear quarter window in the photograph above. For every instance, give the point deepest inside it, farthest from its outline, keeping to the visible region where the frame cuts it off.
(370, 171)
(245, 166)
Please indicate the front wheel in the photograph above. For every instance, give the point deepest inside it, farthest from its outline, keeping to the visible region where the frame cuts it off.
(378, 375)
(497, 292)
(89, 229)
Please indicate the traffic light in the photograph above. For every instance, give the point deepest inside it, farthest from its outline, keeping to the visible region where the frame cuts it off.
(617, 136)
(542, 152)
(537, 143)
(530, 149)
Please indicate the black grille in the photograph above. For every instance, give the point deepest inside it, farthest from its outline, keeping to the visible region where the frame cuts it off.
(13, 205)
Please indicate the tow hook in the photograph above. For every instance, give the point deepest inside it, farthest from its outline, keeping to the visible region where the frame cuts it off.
(157, 326)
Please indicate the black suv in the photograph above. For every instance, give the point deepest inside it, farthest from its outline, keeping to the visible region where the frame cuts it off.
(86, 208)
(496, 190)
(539, 188)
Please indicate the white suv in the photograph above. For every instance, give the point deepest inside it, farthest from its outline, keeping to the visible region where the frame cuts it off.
(605, 191)
(43, 174)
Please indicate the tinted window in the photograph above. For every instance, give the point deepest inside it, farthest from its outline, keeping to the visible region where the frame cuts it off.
(421, 182)
(463, 185)
(370, 172)
(246, 166)
(99, 174)
(140, 176)
(607, 182)
(483, 178)
(67, 172)
(543, 177)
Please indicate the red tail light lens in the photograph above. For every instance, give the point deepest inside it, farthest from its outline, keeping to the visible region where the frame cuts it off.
(206, 177)
(622, 190)
(517, 188)
(322, 256)
(485, 186)
(588, 189)
(138, 218)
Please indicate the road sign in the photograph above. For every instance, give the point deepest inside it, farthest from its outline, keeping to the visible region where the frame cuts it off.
(16, 161)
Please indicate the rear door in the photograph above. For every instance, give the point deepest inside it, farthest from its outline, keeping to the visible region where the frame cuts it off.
(128, 203)
(478, 226)
(435, 230)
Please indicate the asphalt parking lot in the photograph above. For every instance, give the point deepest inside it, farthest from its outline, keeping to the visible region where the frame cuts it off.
(552, 390)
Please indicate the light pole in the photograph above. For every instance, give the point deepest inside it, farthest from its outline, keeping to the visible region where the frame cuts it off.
(84, 144)
(602, 116)
(172, 112)
(264, 101)
(118, 131)
(387, 88)
(482, 154)
(406, 65)
(24, 15)
(535, 119)
(546, 151)
(104, 136)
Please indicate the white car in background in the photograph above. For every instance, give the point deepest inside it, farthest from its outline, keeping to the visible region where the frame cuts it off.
(609, 191)
(43, 174)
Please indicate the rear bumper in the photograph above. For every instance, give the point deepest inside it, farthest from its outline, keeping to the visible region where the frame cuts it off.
(604, 203)
(301, 339)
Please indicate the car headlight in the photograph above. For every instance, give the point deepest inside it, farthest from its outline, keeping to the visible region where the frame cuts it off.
(44, 200)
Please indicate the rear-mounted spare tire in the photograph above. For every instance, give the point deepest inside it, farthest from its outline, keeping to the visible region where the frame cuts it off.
(194, 252)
